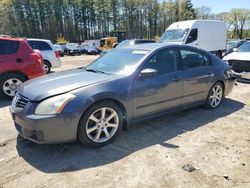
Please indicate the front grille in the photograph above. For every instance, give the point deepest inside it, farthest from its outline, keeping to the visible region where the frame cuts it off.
(20, 101)
(240, 66)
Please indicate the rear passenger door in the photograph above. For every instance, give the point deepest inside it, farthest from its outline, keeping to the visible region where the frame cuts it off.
(10, 56)
(197, 73)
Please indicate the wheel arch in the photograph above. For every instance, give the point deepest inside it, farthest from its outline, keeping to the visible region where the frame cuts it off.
(15, 72)
(115, 101)
(46, 60)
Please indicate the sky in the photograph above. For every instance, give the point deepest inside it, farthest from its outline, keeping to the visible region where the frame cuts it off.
(218, 6)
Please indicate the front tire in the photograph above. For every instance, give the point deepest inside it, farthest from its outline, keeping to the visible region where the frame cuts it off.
(9, 84)
(100, 124)
(215, 96)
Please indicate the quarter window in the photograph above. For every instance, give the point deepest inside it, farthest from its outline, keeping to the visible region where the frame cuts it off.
(39, 45)
(8, 47)
(192, 59)
(164, 61)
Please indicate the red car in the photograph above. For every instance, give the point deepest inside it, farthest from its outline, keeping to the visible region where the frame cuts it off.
(18, 63)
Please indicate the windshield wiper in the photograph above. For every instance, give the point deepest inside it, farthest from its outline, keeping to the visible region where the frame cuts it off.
(96, 71)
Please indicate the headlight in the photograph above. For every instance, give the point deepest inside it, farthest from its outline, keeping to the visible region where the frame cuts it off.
(54, 105)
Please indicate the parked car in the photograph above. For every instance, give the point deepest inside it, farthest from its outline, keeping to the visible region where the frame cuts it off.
(91, 50)
(83, 49)
(51, 57)
(59, 49)
(127, 43)
(240, 58)
(126, 85)
(233, 44)
(18, 63)
(209, 35)
(72, 49)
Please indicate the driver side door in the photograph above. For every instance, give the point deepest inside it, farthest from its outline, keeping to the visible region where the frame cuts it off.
(162, 91)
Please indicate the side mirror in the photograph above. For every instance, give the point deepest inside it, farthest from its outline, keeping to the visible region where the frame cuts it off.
(235, 49)
(147, 73)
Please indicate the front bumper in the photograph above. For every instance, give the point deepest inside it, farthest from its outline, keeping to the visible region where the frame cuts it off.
(47, 129)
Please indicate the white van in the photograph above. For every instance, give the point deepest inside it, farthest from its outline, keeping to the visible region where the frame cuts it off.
(210, 35)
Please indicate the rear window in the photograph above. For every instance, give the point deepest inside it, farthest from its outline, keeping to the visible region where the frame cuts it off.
(8, 47)
(39, 45)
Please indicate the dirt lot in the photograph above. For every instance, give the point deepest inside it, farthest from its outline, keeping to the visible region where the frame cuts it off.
(150, 154)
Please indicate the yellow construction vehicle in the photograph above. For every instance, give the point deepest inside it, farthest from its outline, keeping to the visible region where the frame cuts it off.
(111, 42)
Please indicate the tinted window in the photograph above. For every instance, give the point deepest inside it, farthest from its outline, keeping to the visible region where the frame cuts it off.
(192, 36)
(192, 59)
(102, 43)
(164, 61)
(40, 45)
(8, 47)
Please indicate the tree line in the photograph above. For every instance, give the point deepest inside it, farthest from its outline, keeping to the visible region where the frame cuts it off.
(78, 20)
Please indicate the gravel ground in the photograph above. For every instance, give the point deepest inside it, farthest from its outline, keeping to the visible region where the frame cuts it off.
(192, 148)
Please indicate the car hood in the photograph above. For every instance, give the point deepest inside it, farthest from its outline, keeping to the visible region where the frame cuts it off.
(244, 56)
(58, 83)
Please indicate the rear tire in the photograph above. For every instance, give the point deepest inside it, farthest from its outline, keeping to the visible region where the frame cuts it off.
(100, 124)
(215, 96)
(47, 67)
(9, 84)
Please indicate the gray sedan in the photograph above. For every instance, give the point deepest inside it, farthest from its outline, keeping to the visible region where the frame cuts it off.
(94, 103)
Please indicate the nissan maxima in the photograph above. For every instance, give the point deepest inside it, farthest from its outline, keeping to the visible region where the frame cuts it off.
(94, 103)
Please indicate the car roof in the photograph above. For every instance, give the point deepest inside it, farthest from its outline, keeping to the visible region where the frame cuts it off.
(11, 38)
(150, 46)
(158, 45)
(35, 39)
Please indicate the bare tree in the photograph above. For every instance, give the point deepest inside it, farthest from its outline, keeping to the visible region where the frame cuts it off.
(204, 12)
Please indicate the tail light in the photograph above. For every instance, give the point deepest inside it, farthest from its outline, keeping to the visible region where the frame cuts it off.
(57, 54)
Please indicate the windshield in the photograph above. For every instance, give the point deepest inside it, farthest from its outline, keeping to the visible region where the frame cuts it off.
(244, 47)
(174, 35)
(119, 62)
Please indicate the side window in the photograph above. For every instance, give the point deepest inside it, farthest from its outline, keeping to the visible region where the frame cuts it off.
(192, 36)
(164, 61)
(192, 59)
(40, 45)
(8, 47)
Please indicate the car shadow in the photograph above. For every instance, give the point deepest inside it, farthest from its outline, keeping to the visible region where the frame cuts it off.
(72, 157)
(4, 102)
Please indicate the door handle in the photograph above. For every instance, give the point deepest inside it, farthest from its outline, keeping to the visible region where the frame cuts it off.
(176, 79)
(19, 60)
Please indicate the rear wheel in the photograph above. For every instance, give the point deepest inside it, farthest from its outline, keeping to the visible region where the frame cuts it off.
(9, 84)
(47, 67)
(215, 96)
(100, 124)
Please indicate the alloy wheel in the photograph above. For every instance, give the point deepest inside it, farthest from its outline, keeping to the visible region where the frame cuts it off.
(102, 124)
(216, 96)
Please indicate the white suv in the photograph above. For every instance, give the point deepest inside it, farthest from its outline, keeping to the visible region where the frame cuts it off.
(51, 57)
